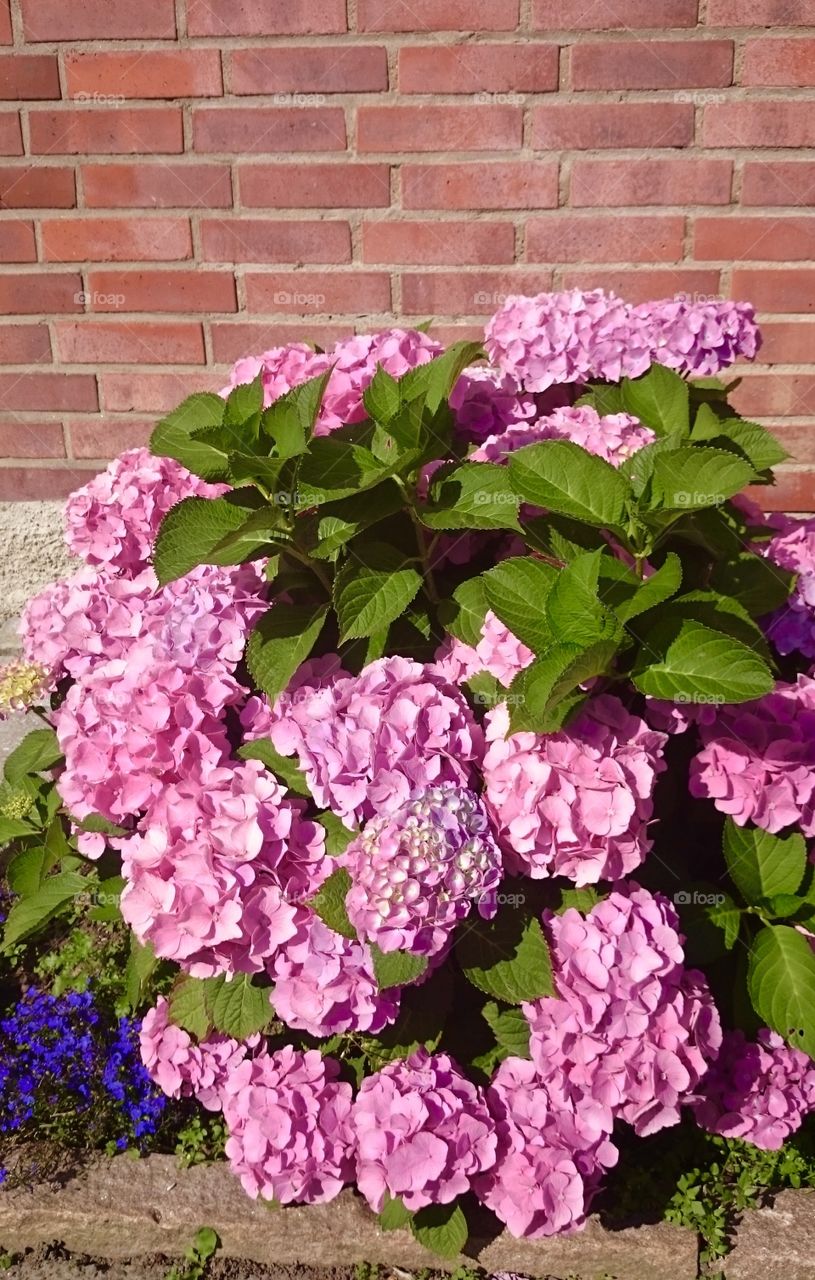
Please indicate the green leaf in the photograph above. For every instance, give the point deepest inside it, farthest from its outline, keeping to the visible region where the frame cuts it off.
(284, 768)
(97, 825)
(13, 829)
(781, 984)
(762, 865)
(291, 419)
(381, 397)
(337, 835)
(564, 478)
(510, 1028)
(507, 958)
(141, 965)
(394, 1214)
(688, 662)
(757, 443)
(726, 916)
(662, 584)
(336, 467)
(108, 896)
(31, 913)
(239, 1009)
(441, 1228)
(329, 903)
(476, 495)
(282, 639)
(337, 523)
(39, 750)
(660, 399)
(691, 478)
(433, 382)
(464, 615)
(173, 437)
(760, 586)
(396, 968)
(27, 871)
(253, 538)
(244, 401)
(543, 695)
(573, 609)
(372, 590)
(582, 900)
(190, 533)
(191, 1002)
(516, 591)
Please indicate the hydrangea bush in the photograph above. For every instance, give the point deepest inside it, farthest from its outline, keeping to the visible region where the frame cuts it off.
(442, 719)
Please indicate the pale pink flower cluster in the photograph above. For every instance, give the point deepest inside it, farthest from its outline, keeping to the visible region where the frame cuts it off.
(367, 743)
(576, 803)
(485, 402)
(183, 1068)
(215, 875)
(759, 1090)
(325, 984)
(498, 652)
(630, 1029)
(423, 1132)
(758, 760)
(113, 520)
(288, 1120)
(419, 872)
(612, 436)
(700, 338)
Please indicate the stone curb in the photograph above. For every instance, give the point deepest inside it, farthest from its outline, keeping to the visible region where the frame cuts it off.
(128, 1208)
(32, 554)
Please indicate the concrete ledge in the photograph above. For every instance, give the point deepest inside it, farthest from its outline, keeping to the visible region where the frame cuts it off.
(124, 1208)
(32, 554)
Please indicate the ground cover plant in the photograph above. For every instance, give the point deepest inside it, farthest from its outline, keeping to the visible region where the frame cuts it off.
(440, 724)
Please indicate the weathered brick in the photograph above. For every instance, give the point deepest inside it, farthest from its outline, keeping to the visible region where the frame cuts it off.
(24, 344)
(498, 184)
(106, 130)
(759, 123)
(49, 392)
(105, 437)
(652, 64)
(594, 126)
(265, 17)
(265, 130)
(761, 13)
(466, 293)
(318, 292)
(443, 243)
(20, 439)
(182, 291)
(34, 483)
(313, 69)
(569, 237)
(779, 61)
(338, 185)
(90, 239)
(262, 240)
(129, 342)
(17, 242)
(495, 68)
(11, 138)
(168, 184)
(650, 181)
(612, 15)
(28, 76)
(40, 293)
(438, 15)
(231, 340)
(776, 289)
(148, 392)
(778, 182)
(49, 20)
(161, 73)
(695, 284)
(439, 128)
(37, 187)
(761, 238)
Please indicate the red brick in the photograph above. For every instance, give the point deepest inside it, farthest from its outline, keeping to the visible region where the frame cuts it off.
(798, 440)
(184, 291)
(166, 185)
(262, 240)
(116, 239)
(761, 13)
(597, 125)
(510, 184)
(51, 392)
(779, 62)
(447, 334)
(643, 286)
(318, 292)
(473, 68)
(105, 437)
(773, 289)
(788, 395)
(29, 75)
(232, 341)
(163, 73)
(24, 344)
(17, 243)
(787, 342)
(761, 122)
(261, 130)
(312, 69)
(11, 139)
(265, 17)
(31, 440)
(40, 293)
(652, 64)
(19, 484)
(794, 490)
(459, 293)
(778, 182)
(611, 15)
(106, 130)
(36, 187)
(441, 243)
(759, 239)
(439, 128)
(6, 36)
(567, 237)
(645, 181)
(129, 342)
(151, 392)
(98, 20)
(344, 185)
(438, 15)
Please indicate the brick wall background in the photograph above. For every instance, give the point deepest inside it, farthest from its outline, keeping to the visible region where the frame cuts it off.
(185, 181)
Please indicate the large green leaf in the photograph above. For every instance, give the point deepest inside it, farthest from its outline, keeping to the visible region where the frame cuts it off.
(336, 467)
(573, 608)
(759, 585)
(441, 1228)
(239, 1008)
(510, 1028)
(329, 903)
(758, 444)
(381, 397)
(761, 864)
(191, 1002)
(373, 589)
(516, 591)
(508, 957)
(781, 983)
(31, 913)
(173, 436)
(28, 869)
(564, 478)
(476, 495)
(694, 477)
(396, 968)
(282, 639)
(140, 967)
(463, 616)
(38, 750)
(290, 420)
(337, 523)
(14, 829)
(543, 695)
(688, 662)
(628, 596)
(192, 531)
(660, 399)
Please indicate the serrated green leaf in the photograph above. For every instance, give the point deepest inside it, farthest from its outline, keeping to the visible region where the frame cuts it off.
(757, 443)
(762, 865)
(562, 477)
(396, 968)
(245, 401)
(190, 532)
(510, 1028)
(253, 538)
(329, 903)
(27, 870)
(336, 467)
(693, 477)
(381, 397)
(97, 825)
(441, 1228)
(582, 900)
(283, 767)
(465, 613)
(28, 915)
(781, 984)
(372, 590)
(475, 495)
(394, 1214)
(659, 398)
(39, 750)
(688, 662)
(141, 965)
(573, 608)
(282, 639)
(191, 1002)
(173, 436)
(13, 829)
(760, 586)
(337, 523)
(337, 835)
(239, 1008)
(545, 693)
(508, 957)
(516, 591)
(663, 583)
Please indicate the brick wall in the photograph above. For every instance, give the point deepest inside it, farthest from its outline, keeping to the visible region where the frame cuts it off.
(185, 181)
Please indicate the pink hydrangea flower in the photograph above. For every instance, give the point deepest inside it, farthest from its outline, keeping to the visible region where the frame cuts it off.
(612, 437)
(576, 803)
(700, 338)
(113, 520)
(630, 1028)
(180, 1067)
(756, 1090)
(419, 872)
(325, 984)
(791, 628)
(215, 876)
(423, 1132)
(485, 402)
(282, 369)
(758, 761)
(287, 1116)
(366, 743)
(551, 1153)
(498, 652)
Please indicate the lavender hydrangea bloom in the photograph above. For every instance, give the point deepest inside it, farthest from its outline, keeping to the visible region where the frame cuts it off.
(612, 436)
(699, 338)
(485, 402)
(416, 874)
(423, 1132)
